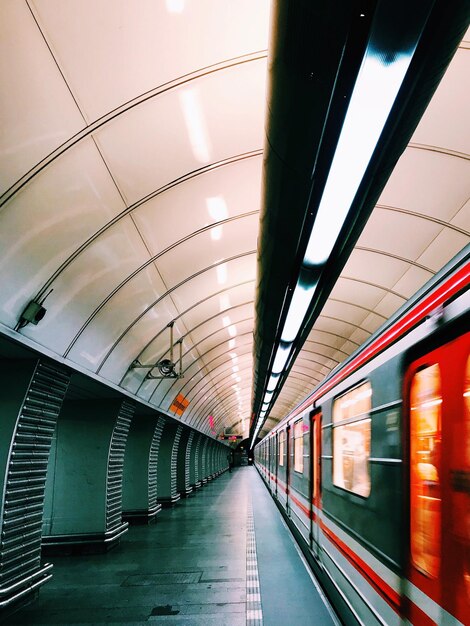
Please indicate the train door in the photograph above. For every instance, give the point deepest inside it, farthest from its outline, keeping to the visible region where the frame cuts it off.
(276, 460)
(437, 392)
(315, 481)
(288, 467)
(272, 460)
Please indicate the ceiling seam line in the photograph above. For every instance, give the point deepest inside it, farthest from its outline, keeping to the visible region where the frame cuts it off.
(103, 120)
(428, 218)
(375, 285)
(134, 206)
(440, 150)
(82, 114)
(396, 257)
(132, 275)
(342, 321)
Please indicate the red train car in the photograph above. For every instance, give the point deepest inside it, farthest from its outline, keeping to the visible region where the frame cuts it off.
(372, 470)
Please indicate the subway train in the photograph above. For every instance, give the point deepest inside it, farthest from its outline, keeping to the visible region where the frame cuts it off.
(371, 470)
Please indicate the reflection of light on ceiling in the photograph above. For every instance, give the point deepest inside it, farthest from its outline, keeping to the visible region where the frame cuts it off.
(233, 356)
(217, 208)
(226, 320)
(216, 233)
(224, 302)
(235, 368)
(232, 331)
(232, 343)
(218, 211)
(175, 6)
(221, 273)
(194, 118)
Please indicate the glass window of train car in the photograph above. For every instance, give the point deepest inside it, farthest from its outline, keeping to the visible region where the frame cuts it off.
(425, 469)
(351, 440)
(299, 447)
(282, 437)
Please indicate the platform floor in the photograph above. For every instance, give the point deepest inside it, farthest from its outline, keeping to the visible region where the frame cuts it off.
(202, 563)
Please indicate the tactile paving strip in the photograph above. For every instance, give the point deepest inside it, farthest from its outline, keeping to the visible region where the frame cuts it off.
(254, 613)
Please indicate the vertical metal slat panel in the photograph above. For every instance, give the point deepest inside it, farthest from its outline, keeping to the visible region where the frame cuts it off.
(153, 462)
(174, 461)
(21, 522)
(116, 465)
(187, 473)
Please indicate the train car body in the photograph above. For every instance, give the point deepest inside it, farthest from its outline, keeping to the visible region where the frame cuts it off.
(372, 470)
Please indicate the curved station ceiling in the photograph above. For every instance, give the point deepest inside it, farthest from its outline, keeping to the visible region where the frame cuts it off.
(131, 179)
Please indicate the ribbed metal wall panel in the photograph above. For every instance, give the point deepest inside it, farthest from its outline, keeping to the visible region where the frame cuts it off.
(21, 520)
(196, 460)
(204, 461)
(187, 471)
(116, 465)
(174, 461)
(153, 462)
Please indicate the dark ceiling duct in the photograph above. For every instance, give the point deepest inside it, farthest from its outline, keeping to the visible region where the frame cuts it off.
(317, 48)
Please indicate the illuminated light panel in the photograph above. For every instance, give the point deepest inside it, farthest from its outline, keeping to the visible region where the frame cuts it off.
(175, 6)
(280, 359)
(232, 343)
(374, 93)
(272, 383)
(300, 302)
(195, 124)
(226, 321)
(232, 330)
(221, 273)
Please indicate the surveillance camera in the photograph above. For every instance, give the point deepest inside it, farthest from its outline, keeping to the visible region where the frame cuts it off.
(166, 367)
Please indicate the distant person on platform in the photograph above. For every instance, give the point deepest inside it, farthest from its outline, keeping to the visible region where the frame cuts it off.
(230, 461)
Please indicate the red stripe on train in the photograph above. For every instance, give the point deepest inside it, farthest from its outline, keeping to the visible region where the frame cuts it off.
(389, 594)
(406, 323)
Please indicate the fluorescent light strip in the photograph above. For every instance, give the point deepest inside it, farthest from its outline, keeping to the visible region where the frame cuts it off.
(376, 88)
(374, 94)
(298, 307)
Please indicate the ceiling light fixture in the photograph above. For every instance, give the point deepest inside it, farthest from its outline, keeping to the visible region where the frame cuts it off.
(378, 82)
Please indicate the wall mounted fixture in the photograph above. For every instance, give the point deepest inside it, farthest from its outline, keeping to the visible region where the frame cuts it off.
(168, 368)
(33, 313)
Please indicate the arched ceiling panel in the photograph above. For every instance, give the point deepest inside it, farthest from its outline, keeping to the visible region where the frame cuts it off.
(184, 129)
(38, 110)
(131, 47)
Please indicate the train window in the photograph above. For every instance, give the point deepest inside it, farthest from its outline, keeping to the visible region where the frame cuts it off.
(299, 446)
(282, 437)
(425, 469)
(351, 440)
